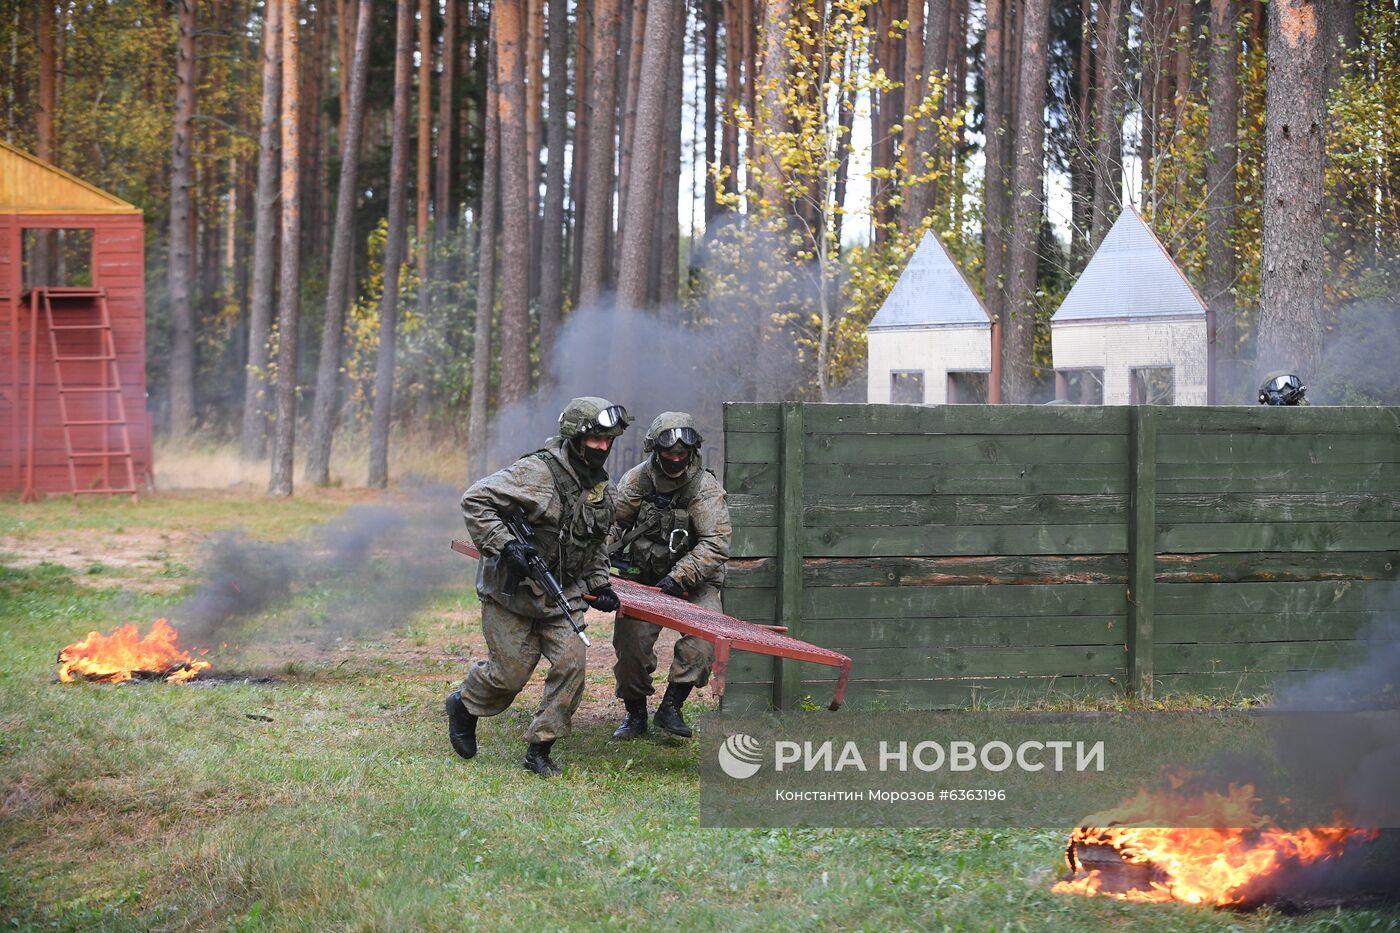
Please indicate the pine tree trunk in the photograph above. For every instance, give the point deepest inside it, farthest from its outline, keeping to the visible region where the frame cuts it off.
(1290, 319)
(995, 150)
(649, 141)
(629, 63)
(709, 11)
(729, 132)
(394, 248)
(181, 181)
(1082, 129)
(318, 451)
(289, 286)
(578, 168)
(552, 223)
(1018, 334)
(423, 177)
(534, 99)
(1108, 129)
(1221, 149)
(934, 50)
(445, 218)
(478, 424)
(772, 76)
(597, 217)
(669, 214)
(515, 200)
(253, 440)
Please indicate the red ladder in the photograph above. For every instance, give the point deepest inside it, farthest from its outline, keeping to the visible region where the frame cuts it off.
(108, 417)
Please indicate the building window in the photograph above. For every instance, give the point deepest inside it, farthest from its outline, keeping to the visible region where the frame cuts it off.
(907, 388)
(57, 258)
(1079, 386)
(1152, 386)
(967, 388)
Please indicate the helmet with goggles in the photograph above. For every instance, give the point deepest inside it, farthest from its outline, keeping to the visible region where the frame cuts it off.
(592, 415)
(671, 428)
(1282, 388)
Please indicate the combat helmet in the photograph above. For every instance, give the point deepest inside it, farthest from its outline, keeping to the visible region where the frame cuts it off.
(672, 441)
(590, 414)
(1282, 388)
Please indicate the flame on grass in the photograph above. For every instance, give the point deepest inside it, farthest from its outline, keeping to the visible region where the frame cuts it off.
(124, 654)
(1193, 862)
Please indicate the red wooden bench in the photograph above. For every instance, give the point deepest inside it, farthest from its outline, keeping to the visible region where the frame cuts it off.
(649, 604)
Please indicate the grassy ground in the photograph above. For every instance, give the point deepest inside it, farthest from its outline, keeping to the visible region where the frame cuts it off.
(327, 799)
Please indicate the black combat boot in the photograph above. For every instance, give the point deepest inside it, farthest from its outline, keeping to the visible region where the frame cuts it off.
(461, 727)
(668, 714)
(635, 725)
(537, 759)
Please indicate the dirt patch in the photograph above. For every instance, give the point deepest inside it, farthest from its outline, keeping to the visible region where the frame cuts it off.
(145, 559)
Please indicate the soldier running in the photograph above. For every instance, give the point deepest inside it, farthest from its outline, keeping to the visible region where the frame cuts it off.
(672, 528)
(564, 493)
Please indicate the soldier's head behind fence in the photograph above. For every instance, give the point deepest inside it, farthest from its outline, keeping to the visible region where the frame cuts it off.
(672, 440)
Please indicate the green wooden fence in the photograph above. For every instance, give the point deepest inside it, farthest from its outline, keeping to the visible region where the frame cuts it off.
(1006, 554)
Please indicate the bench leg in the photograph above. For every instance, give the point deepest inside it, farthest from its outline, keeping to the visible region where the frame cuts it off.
(719, 667)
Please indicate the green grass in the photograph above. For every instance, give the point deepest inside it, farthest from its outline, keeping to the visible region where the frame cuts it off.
(161, 807)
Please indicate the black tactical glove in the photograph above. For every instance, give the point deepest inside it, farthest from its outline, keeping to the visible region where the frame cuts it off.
(517, 555)
(604, 598)
(671, 588)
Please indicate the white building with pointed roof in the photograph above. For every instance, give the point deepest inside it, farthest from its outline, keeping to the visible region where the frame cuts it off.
(931, 341)
(1132, 330)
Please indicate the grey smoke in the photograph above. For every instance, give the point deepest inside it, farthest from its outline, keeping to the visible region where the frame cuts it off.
(670, 358)
(369, 569)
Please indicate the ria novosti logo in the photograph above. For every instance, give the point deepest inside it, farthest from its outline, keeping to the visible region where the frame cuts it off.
(740, 756)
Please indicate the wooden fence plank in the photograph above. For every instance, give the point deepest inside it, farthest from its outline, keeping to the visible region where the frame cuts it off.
(882, 663)
(965, 419)
(971, 449)
(1257, 656)
(1278, 507)
(756, 417)
(1209, 537)
(972, 540)
(1261, 567)
(1276, 449)
(1217, 478)
(1212, 628)
(786, 675)
(937, 571)
(946, 694)
(1246, 420)
(1339, 596)
(971, 632)
(987, 479)
(1142, 580)
(933, 602)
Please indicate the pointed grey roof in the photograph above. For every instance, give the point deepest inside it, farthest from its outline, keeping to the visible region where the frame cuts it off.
(931, 291)
(1130, 275)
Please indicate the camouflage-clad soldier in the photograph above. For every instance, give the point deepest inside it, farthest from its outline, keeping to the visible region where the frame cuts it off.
(672, 527)
(565, 496)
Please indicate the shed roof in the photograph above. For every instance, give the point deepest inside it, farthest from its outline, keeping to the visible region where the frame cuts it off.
(1130, 275)
(932, 291)
(29, 185)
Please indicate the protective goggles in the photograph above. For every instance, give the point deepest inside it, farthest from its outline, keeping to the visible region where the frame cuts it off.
(1285, 384)
(610, 417)
(673, 436)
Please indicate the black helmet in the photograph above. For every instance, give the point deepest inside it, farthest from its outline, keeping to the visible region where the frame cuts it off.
(1282, 388)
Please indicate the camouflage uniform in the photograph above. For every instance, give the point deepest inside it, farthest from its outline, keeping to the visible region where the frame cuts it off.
(644, 527)
(521, 628)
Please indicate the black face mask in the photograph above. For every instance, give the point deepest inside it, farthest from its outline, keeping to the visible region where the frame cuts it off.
(673, 468)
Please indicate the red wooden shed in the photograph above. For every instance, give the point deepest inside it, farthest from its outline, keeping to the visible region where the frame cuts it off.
(72, 334)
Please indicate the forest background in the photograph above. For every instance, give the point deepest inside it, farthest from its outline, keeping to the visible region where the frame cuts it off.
(374, 220)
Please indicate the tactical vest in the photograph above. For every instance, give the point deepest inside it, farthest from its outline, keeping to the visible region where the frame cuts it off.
(584, 520)
(663, 532)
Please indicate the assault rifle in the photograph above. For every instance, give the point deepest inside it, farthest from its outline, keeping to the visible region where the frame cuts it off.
(519, 527)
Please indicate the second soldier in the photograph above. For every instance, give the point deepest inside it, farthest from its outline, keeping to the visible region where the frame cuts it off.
(672, 531)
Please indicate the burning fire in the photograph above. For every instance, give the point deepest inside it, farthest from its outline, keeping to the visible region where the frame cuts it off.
(124, 654)
(1195, 864)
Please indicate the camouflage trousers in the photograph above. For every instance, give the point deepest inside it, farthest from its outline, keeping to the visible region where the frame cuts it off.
(635, 644)
(514, 645)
